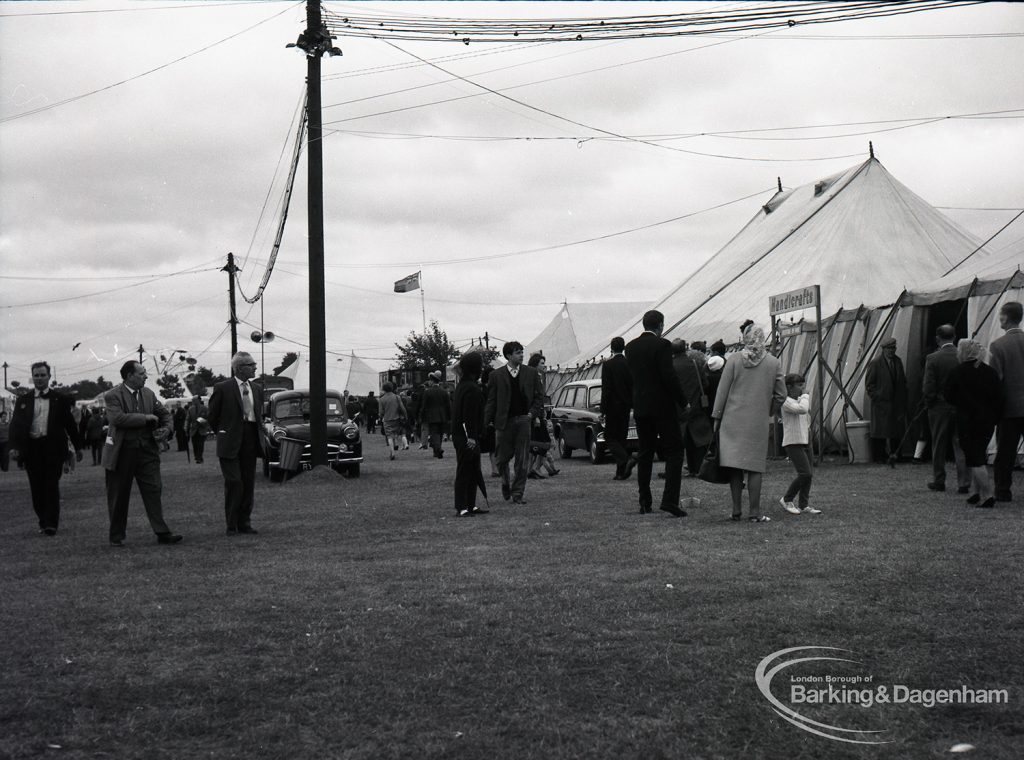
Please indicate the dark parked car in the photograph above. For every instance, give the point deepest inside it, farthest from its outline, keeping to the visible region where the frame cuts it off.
(578, 423)
(287, 417)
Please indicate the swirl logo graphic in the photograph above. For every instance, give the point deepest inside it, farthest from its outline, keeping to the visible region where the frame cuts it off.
(764, 674)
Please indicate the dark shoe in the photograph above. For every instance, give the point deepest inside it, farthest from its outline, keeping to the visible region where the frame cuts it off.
(736, 518)
(988, 503)
(50, 531)
(973, 499)
(618, 476)
(673, 510)
(478, 511)
(535, 476)
(506, 491)
(627, 469)
(553, 472)
(232, 531)
(117, 542)
(963, 489)
(168, 538)
(519, 500)
(915, 460)
(249, 530)
(936, 486)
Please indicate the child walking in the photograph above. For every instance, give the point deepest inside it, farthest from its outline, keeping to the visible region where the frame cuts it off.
(796, 417)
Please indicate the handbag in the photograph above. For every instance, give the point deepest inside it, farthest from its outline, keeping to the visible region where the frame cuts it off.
(710, 470)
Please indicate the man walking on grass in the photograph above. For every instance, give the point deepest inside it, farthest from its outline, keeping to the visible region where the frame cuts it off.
(656, 392)
(515, 402)
(138, 424)
(1007, 359)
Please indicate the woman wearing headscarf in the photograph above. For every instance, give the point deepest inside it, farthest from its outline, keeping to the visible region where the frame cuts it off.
(751, 389)
(974, 389)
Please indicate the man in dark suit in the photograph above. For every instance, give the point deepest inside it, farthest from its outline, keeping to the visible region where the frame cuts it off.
(616, 401)
(236, 411)
(886, 385)
(656, 392)
(41, 425)
(1007, 359)
(942, 414)
(436, 412)
(515, 401)
(694, 419)
(138, 424)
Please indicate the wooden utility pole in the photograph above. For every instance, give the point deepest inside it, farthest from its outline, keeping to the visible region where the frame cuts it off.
(316, 42)
(315, 194)
(231, 269)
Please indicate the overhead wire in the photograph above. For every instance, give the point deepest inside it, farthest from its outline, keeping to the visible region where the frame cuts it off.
(107, 291)
(161, 67)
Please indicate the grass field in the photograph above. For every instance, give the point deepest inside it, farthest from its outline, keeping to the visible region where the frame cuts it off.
(366, 621)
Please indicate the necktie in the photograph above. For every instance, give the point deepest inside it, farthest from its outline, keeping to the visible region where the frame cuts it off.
(247, 403)
(135, 401)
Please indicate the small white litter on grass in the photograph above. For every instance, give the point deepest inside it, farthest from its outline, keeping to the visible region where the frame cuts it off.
(669, 585)
(962, 748)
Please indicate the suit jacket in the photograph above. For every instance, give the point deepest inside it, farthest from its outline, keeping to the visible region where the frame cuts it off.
(60, 424)
(616, 386)
(656, 388)
(887, 389)
(937, 367)
(499, 395)
(436, 405)
(1007, 359)
(227, 415)
(694, 416)
(120, 418)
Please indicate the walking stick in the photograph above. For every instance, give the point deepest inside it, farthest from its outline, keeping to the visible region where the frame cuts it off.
(910, 426)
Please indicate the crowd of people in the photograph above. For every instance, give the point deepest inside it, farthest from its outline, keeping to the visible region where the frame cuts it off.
(691, 405)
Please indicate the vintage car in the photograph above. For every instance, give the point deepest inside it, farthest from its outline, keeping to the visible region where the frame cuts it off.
(287, 417)
(578, 423)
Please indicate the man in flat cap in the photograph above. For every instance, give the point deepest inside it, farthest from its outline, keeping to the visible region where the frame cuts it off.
(886, 383)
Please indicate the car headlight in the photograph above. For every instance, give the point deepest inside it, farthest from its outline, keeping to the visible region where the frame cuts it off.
(279, 433)
(350, 433)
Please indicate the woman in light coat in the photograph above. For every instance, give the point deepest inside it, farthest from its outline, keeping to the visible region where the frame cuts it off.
(751, 389)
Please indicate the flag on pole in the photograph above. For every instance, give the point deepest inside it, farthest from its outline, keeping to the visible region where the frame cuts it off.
(412, 282)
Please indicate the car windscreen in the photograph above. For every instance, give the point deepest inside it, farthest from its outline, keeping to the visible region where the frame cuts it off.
(298, 408)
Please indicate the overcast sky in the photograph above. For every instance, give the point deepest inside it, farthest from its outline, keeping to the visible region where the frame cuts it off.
(169, 171)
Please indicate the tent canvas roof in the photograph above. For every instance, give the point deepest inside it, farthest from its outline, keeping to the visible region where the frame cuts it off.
(859, 234)
(577, 325)
(344, 373)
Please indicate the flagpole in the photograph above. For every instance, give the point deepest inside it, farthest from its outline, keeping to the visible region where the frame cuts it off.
(423, 302)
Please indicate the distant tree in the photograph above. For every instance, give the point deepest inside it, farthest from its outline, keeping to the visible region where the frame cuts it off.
(428, 350)
(86, 389)
(170, 386)
(288, 360)
(201, 379)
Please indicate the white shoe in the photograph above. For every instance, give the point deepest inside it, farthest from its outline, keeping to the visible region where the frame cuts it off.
(811, 511)
(789, 506)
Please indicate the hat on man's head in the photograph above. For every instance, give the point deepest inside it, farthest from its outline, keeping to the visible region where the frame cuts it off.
(718, 346)
(435, 376)
(889, 343)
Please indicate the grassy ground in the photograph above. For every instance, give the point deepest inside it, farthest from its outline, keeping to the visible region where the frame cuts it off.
(365, 621)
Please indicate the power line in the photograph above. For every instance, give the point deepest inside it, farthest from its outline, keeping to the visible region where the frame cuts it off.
(775, 15)
(162, 66)
(510, 254)
(105, 292)
(732, 134)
